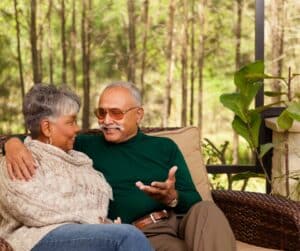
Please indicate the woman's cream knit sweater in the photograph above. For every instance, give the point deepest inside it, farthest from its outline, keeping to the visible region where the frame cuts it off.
(64, 189)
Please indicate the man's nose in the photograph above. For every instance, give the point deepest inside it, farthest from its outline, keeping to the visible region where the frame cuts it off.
(107, 119)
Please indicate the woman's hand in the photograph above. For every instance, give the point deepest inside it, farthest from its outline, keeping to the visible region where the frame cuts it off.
(118, 220)
(109, 221)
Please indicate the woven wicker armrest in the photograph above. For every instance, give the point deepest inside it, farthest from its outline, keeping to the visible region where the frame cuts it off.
(261, 219)
(4, 246)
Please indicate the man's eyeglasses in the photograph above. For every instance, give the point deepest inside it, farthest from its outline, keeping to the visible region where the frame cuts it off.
(114, 113)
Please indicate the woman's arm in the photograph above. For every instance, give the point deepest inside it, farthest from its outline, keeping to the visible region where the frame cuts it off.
(29, 203)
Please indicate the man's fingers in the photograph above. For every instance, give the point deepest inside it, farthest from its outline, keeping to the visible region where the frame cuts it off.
(10, 171)
(140, 185)
(160, 185)
(147, 189)
(171, 175)
(150, 190)
(25, 173)
(31, 166)
(17, 172)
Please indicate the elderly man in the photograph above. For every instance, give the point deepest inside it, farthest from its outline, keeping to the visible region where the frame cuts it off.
(150, 179)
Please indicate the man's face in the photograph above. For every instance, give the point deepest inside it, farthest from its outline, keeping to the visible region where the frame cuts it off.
(119, 127)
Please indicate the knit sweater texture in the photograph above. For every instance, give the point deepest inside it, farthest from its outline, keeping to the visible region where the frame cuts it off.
(141, 158)
(65, 189)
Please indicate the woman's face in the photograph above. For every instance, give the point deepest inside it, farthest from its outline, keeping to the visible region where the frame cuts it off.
(63, 131)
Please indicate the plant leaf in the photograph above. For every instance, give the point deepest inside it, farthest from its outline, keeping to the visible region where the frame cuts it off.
(249, 80)
(241, 128)
(250, 92)
(255, 123)
(274, 94)
(236, 103)
(249, 130)
(272, 77)
(284, 120)
(294, 110)
(264, 149)
(249, 74)
(245, 175)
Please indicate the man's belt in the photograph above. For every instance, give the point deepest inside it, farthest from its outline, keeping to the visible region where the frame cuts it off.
(151, 218)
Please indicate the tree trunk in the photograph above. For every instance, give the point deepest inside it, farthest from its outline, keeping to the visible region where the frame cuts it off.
(201, 16)
(33, 41)
(145, 38)
(63, 43)
(73, 45)
(86, 41)
(277, 35)
(49, 41)
(20, 63)
(192, 73)
(184, 64)
(171, 63)
(40, 49)
(132, 44)
(238, 33)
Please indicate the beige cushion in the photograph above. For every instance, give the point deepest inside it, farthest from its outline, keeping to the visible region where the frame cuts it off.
(242, 246)
(188, 141)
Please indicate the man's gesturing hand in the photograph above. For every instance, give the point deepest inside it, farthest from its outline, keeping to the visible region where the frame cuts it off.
(20, 163)
(165, 191)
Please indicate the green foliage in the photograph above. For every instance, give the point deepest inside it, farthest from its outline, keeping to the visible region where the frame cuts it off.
(247, 121)
(293, 110)
(264, 149)
(214, 154)
(284, 120)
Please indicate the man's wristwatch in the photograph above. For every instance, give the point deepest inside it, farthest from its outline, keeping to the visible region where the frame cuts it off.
(173, 203)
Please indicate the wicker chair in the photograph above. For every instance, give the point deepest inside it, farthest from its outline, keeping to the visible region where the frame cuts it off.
(261, 220)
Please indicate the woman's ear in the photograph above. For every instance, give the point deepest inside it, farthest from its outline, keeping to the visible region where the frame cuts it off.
(45, 128)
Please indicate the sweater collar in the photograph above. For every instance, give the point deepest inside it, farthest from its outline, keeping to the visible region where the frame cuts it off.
(132, 140)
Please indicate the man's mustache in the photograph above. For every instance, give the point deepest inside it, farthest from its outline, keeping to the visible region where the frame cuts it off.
(106, 127)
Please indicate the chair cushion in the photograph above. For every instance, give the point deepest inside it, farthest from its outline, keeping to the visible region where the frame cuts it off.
(188, 141)
(242, 246)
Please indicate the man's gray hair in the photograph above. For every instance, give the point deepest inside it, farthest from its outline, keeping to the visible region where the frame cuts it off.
(48, 101)
(134, 91)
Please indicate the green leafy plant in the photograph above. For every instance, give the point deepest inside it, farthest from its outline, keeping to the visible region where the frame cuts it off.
(247, 120)
(215, 154)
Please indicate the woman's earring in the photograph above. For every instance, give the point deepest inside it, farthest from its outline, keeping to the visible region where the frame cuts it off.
(49, 141)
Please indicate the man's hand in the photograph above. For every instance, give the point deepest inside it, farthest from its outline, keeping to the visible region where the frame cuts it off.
(165, 191)
(20, 163)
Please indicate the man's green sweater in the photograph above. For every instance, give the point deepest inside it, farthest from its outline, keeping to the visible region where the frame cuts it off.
(141, 158)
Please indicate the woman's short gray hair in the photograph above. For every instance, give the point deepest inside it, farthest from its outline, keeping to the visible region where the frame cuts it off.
(48, 101)
(134, 91)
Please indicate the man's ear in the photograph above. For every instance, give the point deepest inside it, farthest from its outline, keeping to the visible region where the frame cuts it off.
(45, 128)
(140, 115)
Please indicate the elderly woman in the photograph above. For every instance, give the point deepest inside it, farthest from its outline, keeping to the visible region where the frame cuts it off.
(63, 205)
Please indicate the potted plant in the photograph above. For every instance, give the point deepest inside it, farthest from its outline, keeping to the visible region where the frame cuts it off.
(247, 120)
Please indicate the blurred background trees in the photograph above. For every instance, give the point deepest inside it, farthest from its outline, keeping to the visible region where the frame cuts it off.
(181, 53)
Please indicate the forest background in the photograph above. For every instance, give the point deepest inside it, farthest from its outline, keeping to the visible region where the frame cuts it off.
(182, 54)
